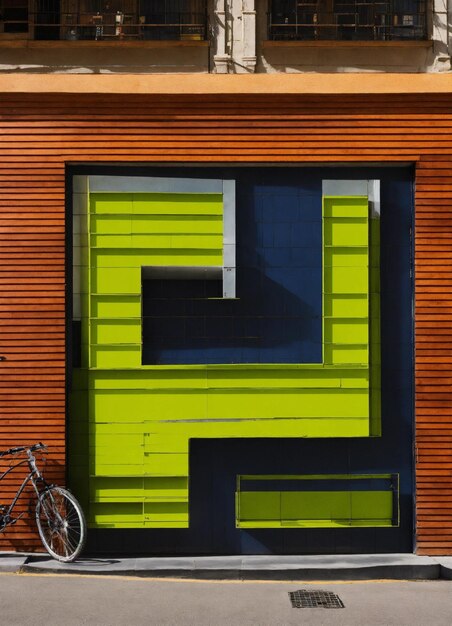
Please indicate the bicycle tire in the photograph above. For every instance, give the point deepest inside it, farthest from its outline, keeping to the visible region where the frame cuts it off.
(61, 524)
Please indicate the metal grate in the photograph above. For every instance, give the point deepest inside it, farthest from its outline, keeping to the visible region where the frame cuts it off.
(105, 20)
(348, 20)
(304, 599)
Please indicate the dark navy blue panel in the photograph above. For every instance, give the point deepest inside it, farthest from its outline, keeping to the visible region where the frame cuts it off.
(276, 317)
(214, 464)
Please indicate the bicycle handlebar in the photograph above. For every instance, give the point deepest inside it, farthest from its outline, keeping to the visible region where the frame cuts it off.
(33, 448)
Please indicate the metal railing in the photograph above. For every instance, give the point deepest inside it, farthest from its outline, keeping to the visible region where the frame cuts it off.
(106, 20)
(13, 16)
(347, 20)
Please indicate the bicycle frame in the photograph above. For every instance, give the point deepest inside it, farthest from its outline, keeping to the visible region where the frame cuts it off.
(34, 477)
(59, 517)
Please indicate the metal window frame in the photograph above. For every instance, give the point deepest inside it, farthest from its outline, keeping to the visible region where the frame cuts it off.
(392, 20)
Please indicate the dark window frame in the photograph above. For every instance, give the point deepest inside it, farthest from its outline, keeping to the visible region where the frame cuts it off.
(105, 20)
(347, 20)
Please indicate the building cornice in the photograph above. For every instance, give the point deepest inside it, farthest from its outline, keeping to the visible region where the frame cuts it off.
(204, 84)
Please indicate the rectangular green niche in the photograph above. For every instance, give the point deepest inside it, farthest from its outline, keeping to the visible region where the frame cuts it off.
(329, 501)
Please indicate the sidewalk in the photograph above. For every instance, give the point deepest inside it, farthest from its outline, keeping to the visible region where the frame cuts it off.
(330, 567)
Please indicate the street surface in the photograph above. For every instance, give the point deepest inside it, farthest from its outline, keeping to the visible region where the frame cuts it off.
(65, 600)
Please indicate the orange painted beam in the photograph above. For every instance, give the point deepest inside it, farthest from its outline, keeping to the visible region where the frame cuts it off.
(344, 83)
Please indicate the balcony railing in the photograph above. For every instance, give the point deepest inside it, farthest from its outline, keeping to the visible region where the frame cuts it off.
(104, 20)
(347, 20)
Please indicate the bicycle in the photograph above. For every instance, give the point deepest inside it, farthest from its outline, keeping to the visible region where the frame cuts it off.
(59, 517)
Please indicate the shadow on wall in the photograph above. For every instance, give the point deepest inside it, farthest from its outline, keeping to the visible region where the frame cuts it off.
(183, 323)
(292, 58)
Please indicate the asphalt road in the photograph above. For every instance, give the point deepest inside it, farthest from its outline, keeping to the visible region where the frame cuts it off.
(68, 600)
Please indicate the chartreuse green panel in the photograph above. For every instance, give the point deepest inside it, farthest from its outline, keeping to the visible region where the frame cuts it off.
(317, 501)
(136, 421)
(125, 233)
(346, 281)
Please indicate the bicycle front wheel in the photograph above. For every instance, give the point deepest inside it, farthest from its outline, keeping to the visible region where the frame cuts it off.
(61, 524)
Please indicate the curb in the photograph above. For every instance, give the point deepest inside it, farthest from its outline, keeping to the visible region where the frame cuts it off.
(359, 567)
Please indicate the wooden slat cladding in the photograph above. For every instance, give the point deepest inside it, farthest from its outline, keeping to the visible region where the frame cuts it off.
(434, 355)
(41, 134)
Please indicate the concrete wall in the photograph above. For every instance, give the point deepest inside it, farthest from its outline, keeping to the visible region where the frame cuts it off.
(96, 57)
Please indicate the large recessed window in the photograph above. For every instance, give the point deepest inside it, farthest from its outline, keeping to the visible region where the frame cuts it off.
(347, 20)
(13, 17)
(104, 20)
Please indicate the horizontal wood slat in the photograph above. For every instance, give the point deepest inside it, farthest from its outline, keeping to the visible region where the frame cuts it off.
(433, 362)
(40, 135)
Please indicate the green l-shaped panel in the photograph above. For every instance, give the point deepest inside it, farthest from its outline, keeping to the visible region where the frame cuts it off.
(130, 425)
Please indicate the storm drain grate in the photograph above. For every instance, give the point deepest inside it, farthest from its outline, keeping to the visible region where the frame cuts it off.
(304, 599)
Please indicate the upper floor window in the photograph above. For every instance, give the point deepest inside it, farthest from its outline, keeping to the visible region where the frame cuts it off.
(14, 17)
(103, 20)
(347, 20)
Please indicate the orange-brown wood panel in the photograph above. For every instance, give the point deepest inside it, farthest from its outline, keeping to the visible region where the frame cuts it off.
(433, 362)
(41, 134)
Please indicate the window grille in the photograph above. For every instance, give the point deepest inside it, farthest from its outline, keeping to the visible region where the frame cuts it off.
(13, 17)
(347, 20)
(104, 20)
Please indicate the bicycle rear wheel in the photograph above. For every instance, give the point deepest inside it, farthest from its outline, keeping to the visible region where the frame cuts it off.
(61, 524)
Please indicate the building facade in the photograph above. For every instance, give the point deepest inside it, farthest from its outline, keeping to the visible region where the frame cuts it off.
(226, 299)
